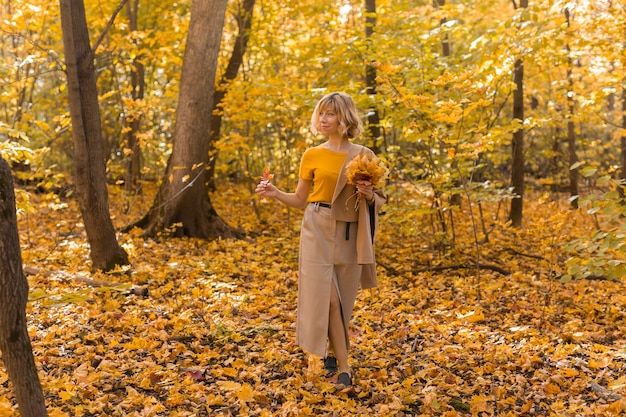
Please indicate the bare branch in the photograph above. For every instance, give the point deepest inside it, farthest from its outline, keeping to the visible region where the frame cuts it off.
(108, 26)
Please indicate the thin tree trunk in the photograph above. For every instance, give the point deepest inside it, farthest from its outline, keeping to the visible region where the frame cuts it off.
(137, 79)
(445, 43)
(571, 134)
(89, 167)
(517, 166)
(244, 22)
(456, 198)
(17, 352)
(554, 168)
(373, 117)
(623, 140)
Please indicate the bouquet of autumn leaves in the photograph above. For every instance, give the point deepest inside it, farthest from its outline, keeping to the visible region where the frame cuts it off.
(365, 167)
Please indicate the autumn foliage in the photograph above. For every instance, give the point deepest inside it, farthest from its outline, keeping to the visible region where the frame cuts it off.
(366, 167)
(214, 334)
(472, 317)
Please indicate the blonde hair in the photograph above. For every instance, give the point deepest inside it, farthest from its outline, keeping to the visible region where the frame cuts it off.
(343, 105)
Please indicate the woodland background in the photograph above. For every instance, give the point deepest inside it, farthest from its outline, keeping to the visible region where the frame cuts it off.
(500, 287)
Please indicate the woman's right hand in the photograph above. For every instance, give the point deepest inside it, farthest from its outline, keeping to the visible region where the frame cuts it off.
(266, 189)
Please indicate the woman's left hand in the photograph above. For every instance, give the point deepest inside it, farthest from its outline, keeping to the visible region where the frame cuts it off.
(366, 189)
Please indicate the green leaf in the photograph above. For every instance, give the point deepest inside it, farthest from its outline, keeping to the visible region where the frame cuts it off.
(588, 171)
(37, 294)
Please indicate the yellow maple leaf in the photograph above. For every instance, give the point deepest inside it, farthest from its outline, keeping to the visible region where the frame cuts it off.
(619, 383)
(111, 305)
(617, 407)
(246, 394)
(231, 372)
(479, 404)
(67, 395)
(229, 385)
(476, 317)
(81, 374)
(551, 389)
(175, 399)
(137, 343)
(388, 67)
(146, 383)
(215, 399)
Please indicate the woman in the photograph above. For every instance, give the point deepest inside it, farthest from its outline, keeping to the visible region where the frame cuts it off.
(336, 241)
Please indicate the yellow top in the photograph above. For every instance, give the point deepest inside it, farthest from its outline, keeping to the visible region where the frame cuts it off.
(323, 167)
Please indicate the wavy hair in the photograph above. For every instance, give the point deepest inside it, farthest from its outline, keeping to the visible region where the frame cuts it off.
(343, 105)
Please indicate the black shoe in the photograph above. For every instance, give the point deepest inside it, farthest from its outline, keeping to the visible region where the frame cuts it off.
(344, 379)
(330, 365)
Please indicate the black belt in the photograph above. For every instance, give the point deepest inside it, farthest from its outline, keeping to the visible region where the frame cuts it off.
(325, 205)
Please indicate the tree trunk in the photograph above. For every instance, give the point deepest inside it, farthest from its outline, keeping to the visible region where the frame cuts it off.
(623, 140)
(183, 198)
(445, 42)
(244, 22)
(455, 198)
(137, 79)
(571, 134)
(517, 166)
(554, 168)
(17, 352)
(89, 167)
(373, 117)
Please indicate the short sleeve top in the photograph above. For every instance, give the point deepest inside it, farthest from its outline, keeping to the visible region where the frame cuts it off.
(322, 166)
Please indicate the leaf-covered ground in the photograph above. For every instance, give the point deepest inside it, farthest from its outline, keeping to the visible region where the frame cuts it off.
(215, 334)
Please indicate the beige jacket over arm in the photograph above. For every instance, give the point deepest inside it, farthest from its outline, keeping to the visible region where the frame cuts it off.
(343, 208)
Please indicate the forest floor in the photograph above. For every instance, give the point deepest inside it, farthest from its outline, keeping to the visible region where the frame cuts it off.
(214, 334)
